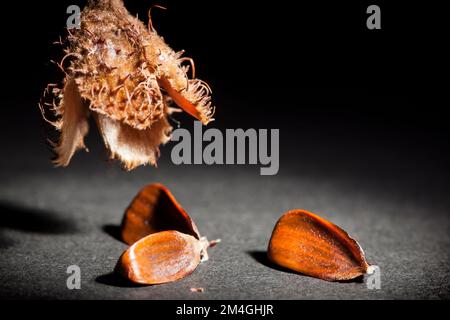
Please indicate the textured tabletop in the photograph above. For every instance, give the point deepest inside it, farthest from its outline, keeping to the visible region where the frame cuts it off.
(392, 196)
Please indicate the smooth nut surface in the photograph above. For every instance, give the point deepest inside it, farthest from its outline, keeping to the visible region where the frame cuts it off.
(155, 209)
(160, 257)
(309, 244)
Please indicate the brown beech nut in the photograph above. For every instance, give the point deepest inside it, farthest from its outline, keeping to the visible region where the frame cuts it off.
(155, 209)
(165, 242)
(304, 242)
(161, 257)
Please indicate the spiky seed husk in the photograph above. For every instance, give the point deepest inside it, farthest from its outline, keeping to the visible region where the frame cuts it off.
(123, 73)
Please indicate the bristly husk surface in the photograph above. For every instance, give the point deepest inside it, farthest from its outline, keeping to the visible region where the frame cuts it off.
(123, 73)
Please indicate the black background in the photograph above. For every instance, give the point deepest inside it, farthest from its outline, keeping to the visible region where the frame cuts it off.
(267, 54)
(313, 70)
(364, 109)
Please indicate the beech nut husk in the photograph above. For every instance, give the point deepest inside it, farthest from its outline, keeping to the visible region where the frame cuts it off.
(306, 243)
(129, 79)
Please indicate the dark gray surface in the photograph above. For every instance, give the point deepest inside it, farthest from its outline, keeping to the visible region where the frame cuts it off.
(396, 206)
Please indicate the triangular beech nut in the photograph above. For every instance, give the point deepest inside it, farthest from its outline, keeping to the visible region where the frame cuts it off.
(306, 243)
(155, 209)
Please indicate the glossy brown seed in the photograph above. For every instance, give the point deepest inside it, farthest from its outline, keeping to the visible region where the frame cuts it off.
(309, 244)
(155, 209)
(160, 257)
